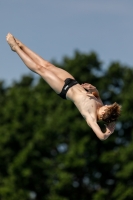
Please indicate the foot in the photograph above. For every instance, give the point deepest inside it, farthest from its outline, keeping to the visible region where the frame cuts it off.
(11, 41)
(18, 42)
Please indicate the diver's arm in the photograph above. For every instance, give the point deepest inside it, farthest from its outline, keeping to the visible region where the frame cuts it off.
(95, 127)
(92, 89)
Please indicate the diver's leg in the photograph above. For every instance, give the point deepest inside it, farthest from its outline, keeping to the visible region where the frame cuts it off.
(36, 58)
(62, 74)
(50, 77)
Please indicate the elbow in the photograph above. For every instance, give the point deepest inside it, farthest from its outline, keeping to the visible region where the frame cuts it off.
(103, 138)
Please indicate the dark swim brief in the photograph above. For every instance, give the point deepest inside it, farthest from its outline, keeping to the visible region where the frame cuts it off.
(68, 84)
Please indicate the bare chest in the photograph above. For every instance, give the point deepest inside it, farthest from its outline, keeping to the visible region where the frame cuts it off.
(87, 106)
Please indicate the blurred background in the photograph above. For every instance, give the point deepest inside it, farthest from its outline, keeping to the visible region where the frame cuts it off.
(47, 151)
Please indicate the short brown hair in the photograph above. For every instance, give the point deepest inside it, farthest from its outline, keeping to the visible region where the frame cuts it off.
(112, 113)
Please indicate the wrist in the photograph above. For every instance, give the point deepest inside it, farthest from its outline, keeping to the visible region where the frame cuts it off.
(108, 133)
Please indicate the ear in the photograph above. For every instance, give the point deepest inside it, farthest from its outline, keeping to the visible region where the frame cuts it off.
(103, 112)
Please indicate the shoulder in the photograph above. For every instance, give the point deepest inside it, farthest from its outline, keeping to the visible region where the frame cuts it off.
(90, 118)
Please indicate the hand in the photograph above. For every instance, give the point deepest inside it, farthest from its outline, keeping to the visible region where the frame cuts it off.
(88, 86)
(110, 128)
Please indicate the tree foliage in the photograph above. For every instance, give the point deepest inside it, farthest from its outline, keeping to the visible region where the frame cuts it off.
(47, 151)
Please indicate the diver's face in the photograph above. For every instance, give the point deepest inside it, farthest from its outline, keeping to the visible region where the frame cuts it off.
(101, 112)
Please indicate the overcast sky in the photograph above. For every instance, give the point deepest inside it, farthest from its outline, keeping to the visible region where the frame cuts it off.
(55, 28)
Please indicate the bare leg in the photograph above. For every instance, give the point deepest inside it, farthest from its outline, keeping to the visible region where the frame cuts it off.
(62, 74)
(36, 58)
(44, 71)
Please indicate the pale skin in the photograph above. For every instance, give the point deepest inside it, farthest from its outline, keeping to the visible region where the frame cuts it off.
(88, 102)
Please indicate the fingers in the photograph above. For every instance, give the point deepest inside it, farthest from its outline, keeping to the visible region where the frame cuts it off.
(88, 86)
(110, 127)
(88, 94)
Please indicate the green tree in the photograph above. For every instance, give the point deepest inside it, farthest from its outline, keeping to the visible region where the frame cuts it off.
(47, 151)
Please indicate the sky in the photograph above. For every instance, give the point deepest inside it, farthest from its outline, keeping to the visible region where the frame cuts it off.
(56, 28)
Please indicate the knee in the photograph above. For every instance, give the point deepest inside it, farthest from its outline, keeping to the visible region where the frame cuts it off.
(40, 69)
(46, 66)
